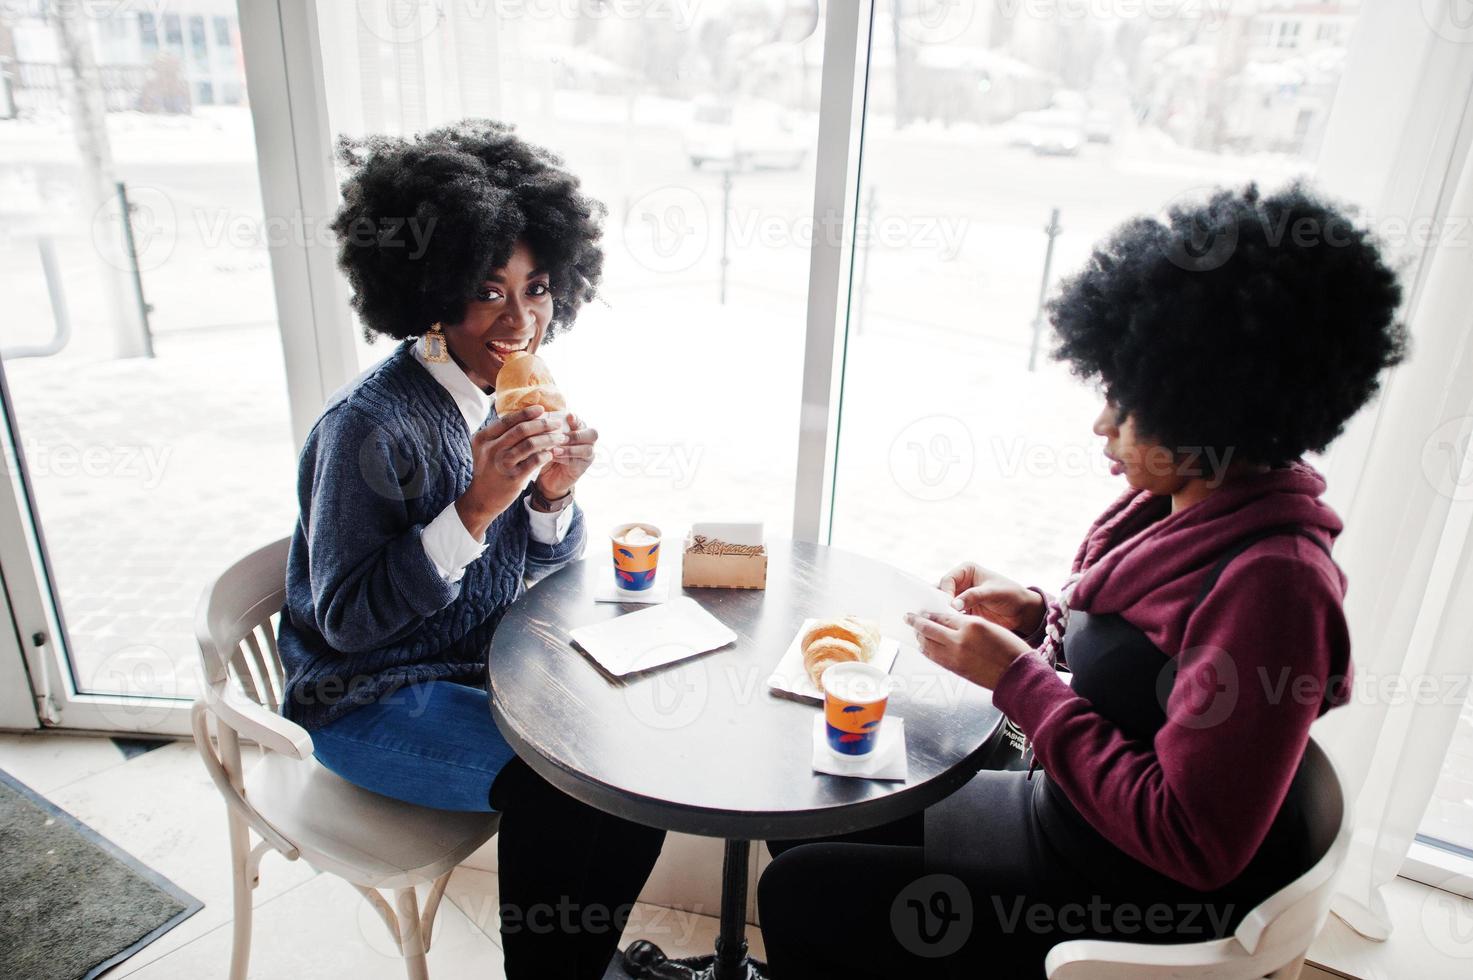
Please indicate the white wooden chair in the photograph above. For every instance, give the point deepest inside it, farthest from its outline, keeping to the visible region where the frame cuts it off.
(293, 804)
(1271, 942)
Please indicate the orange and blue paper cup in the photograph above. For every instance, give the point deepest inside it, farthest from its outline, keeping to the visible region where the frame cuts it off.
(636, 556)
(854, 699)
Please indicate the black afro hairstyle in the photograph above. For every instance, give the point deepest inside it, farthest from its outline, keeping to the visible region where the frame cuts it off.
(1243, 323)
(425, 220)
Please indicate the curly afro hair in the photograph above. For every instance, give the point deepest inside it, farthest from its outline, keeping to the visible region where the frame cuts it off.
(1256, 325)
(425, 220)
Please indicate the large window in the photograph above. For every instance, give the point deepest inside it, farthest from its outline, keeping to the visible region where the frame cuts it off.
(1001, 142)
(699, 136)
(145, 379)
(998, 143)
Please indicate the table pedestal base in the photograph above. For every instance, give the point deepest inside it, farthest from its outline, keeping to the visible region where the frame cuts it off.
(691, 968)
(643, 960)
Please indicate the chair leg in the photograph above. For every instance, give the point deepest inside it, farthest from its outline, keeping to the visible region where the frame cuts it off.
(240, 868)
(411, 936)
(1289, 971)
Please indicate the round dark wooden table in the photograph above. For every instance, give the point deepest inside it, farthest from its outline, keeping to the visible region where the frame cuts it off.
(702, 746)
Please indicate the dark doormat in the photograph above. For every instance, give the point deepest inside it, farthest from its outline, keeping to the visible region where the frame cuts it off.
(74, 903)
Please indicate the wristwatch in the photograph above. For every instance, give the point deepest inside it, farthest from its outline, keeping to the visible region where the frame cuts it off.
(547, 506)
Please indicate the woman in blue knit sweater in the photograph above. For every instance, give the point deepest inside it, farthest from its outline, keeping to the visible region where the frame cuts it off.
(423, 514)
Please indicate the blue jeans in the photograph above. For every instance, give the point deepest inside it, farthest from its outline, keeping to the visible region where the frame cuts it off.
(569, 873)
(433, 744)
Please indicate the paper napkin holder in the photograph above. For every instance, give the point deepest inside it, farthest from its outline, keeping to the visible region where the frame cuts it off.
(700, 570)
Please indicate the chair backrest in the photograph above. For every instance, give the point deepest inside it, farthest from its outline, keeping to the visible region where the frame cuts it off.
(1274, 934)
(236, 625)
(1300, 908)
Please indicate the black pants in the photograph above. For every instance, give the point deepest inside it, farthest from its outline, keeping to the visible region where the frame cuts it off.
(880, 904)
(569, 875)
(839, 907)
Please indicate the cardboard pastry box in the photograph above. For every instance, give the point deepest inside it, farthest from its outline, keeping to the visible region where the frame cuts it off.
(724, 556)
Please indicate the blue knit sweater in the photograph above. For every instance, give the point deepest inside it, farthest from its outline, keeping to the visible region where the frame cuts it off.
(366, 609)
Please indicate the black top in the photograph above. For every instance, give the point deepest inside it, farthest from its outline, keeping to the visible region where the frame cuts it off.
(702, 746)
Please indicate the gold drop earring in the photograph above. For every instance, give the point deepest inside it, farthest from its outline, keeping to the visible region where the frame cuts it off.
(435, 348)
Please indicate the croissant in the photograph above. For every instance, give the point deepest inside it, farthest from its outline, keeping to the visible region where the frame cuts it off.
(835, 641)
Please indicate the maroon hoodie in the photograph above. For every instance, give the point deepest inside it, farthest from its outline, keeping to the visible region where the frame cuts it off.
(1265, 653)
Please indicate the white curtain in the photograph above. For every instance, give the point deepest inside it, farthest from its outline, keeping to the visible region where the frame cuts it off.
(1401, 477)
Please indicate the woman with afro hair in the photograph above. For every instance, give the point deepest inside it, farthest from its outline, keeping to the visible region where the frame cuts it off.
(1202, 624)
(422, 514)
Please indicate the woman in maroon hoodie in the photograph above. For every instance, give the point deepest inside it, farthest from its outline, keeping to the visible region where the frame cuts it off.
(1202, 623)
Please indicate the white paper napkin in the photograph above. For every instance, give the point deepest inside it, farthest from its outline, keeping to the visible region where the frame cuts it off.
(653, 637)
(791, 677)
(605, 589)
(887, 761)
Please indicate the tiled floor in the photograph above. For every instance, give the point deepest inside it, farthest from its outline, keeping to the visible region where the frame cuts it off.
(161, 807)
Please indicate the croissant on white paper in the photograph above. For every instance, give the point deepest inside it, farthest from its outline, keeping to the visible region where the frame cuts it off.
(835, 641)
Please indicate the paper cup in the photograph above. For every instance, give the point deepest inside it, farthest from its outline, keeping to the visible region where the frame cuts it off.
(854, 699)
(635, 565)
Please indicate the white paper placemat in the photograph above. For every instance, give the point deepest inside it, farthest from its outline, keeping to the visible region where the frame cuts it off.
(791, 678)
(652, 637)
(887, 761)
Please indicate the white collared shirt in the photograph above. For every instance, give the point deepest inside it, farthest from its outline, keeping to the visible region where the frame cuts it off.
(446, 540)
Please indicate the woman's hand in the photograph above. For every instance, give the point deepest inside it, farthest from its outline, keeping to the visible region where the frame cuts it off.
(980, 592)
(504, 455)
(569, 461)
(968, 646)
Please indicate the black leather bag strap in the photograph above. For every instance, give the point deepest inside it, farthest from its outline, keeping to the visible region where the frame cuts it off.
(1243, 545)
